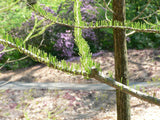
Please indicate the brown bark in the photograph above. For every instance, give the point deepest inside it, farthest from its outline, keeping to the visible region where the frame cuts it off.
(30, 3)
(121, 64)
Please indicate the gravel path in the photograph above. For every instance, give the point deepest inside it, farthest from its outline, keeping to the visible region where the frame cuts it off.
(70, 86)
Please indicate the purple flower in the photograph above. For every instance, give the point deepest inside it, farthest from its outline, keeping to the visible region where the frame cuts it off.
(89, 12)
(1, 48)
(65, 44)
(42, 4)
(88, 33)
(48, 9)
(32, 16)
(128, 39)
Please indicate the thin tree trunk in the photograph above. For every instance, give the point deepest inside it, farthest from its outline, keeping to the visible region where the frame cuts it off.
(121, 61)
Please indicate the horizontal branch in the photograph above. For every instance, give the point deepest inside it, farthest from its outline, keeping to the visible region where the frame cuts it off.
(135, 26)
(111, 82)
(94, 74)
(110, 26)
(41, 59)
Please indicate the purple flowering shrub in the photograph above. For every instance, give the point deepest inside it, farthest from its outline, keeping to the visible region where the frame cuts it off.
(1, 48)
(58, 39)
(64, 43)
(89, 10)
(89, 13)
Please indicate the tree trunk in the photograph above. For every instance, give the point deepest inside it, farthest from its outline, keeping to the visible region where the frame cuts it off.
(121, 61)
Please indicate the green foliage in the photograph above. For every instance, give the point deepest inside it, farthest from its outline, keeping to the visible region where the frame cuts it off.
(15, 55)
(54, 4)
(150, 16)
(7, 5)
(105, 37)
(134, 7)
(143, 40)
(13, 18)
(103, 25)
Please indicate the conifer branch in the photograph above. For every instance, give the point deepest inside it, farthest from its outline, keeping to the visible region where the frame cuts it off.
(124, 88)
(93, 74)
(32, 31)
(42, 30)
(134, 26)
(84, 50)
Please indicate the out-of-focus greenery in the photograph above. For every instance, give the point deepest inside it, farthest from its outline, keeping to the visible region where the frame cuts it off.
(151, 14)
(54, 4)
(12, 21)
(13, 17)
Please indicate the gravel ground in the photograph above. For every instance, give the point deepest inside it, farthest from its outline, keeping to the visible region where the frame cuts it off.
(38, 104)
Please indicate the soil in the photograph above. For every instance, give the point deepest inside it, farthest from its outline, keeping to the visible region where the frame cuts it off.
(38, 104)
(43, 104)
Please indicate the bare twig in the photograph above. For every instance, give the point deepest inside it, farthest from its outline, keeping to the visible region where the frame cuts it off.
(4, 64)
(150, 15)
(128, 34)
(41, 41)
(135, 18)
(18, 59)
(107, 8)
(106, 5)
(4, 51)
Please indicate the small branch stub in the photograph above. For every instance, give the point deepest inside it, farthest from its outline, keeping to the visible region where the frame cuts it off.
(94, 72)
